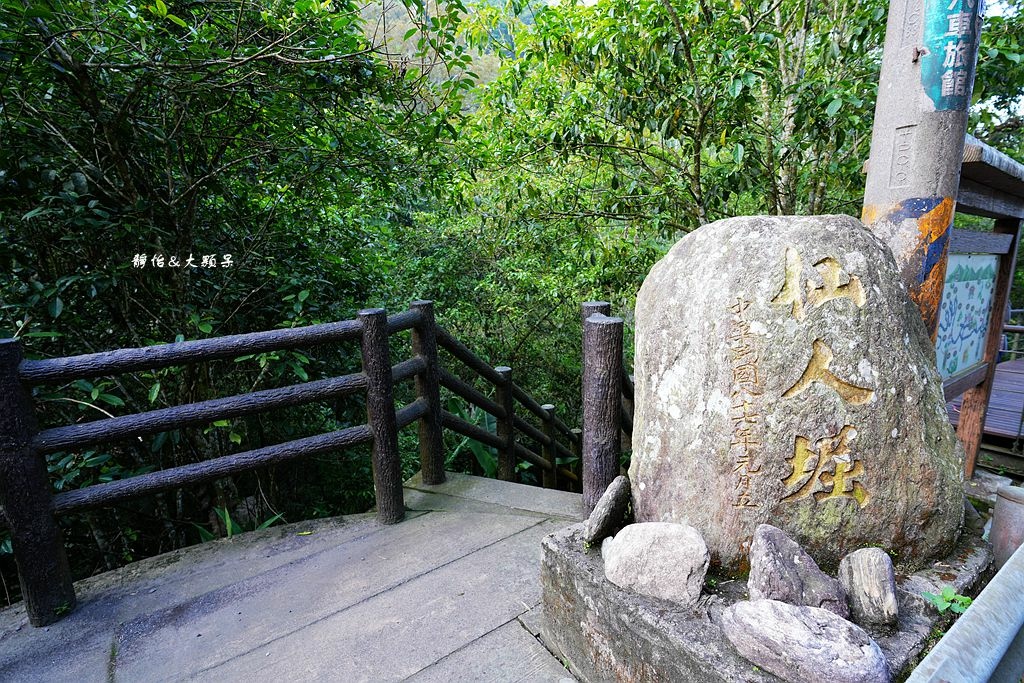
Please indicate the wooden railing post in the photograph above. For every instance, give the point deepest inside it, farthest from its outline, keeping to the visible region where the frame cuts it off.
(428, 388)
(587, 309)
(577, 450)
(25, 496)
(380, 413)
(602, 387)
(506, 426)
(550, 448)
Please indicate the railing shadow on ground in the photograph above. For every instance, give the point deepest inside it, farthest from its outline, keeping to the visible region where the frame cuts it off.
(30, 509)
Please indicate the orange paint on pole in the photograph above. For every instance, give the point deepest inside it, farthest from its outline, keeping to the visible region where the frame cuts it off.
(923, 263)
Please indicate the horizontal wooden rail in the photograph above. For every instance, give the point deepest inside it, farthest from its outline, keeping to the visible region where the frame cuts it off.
(467, 392)
(468, 358)
(528, 455)
(1013, 329)
(412, 412)
(540, 437)
(406, 320)
(528, 402)
(165, 419)
(194, 473)
(527, 429)
(483, 369)
(470, 394)
(180, 353)
(571, 434)
(165, 355)
(460, 426)
(537, 409)
(204, 412)
(457, 424)
(957, 385)
(407, 369)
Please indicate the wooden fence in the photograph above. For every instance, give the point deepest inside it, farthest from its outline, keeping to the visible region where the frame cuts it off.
(30, 509)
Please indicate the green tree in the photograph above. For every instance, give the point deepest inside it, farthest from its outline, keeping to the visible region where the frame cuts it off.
(614, 128)
(276, 132)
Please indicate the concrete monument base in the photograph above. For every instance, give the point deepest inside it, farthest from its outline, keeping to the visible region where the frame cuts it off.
(606, 633)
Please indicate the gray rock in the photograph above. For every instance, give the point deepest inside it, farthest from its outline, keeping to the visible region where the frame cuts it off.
(870, 583)
(784, 376)
(803, 644)
(658, 559)
(781, 570)
(609, 513)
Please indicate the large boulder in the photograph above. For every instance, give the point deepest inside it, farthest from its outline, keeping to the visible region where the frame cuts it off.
(783, 375)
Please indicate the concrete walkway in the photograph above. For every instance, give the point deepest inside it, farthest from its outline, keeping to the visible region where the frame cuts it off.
(447, 595)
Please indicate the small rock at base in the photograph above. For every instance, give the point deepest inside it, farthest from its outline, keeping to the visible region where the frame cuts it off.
(781, 570)
(870, 583)
(803, 644)
(609, 512)
(658, 559)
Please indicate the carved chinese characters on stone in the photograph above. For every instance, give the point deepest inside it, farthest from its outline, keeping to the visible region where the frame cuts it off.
(826, 470)
(818, 371)
(745, 416)
(831, 273)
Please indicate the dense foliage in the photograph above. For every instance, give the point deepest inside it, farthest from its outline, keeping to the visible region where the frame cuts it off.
(508, 162)
(143, 145)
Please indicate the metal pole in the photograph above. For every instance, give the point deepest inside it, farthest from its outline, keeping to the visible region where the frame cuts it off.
(917, 142)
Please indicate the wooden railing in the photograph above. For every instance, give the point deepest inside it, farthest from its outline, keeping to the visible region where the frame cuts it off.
(556, 439)
(30, 509)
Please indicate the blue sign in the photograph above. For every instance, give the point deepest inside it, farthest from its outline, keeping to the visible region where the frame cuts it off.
(951, 32)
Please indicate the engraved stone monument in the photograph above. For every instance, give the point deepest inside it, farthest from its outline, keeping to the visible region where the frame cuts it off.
(783, 376)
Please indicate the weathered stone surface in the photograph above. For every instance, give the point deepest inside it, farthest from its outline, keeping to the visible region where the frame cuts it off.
(870, 583)
(659, 559)
(606, 633)
(784, 376)
(781, 570)
(803, 644)
(609, 512)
